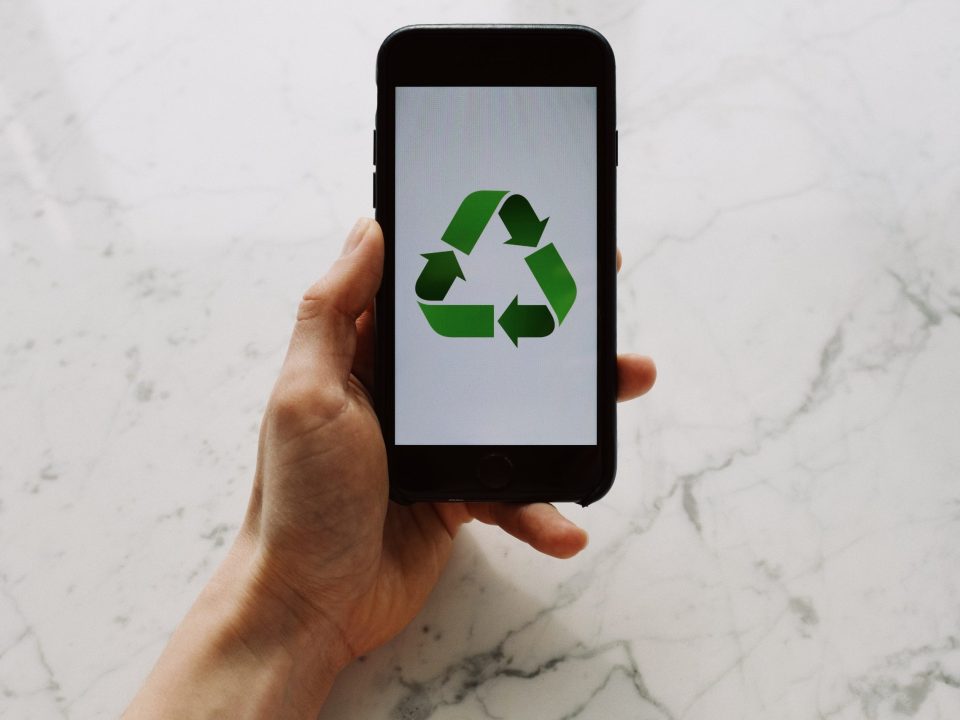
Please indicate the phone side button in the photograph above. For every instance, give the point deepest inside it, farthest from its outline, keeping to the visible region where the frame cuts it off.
(495, 471)
(374, 190)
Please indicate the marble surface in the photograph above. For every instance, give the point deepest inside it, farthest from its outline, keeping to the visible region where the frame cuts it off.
(783, 539)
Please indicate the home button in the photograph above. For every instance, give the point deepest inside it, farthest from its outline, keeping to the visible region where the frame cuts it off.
(495, 471)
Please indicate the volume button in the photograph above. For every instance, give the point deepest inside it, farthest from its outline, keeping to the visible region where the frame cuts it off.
(374, 146)
(374, 190)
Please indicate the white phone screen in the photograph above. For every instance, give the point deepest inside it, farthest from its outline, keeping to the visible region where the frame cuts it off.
(496, 266)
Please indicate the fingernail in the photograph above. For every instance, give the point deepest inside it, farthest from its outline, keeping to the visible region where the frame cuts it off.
(355, 236)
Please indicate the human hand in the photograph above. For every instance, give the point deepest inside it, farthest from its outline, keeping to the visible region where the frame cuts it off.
(320, 511)
(325, 568)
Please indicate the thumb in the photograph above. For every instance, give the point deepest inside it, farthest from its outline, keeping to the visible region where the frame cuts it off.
(325, 335)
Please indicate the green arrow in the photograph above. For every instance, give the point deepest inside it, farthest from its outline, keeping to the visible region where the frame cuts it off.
(460, 320)
(554, 279)
(526, 320)
(438, 275)
(471, 218)
(521, 221)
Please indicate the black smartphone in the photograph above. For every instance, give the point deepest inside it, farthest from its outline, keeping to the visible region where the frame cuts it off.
(495, 150)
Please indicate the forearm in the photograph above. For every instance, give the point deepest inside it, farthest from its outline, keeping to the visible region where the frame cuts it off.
(241, 653)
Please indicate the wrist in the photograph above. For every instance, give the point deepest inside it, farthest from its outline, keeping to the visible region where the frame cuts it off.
(244, 650)
(276, 627)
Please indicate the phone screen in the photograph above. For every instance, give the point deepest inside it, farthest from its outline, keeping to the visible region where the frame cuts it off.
(496, 266)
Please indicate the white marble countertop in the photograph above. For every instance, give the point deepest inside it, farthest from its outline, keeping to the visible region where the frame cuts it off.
(783, 539)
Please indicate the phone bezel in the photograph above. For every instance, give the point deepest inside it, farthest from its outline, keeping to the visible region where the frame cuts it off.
(500, 55)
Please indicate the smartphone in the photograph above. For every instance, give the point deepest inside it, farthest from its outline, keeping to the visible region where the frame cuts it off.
(495, 153)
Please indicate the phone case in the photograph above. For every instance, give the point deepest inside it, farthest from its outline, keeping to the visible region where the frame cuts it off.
(430, 41)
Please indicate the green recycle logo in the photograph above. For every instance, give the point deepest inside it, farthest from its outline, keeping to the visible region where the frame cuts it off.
(442, 270)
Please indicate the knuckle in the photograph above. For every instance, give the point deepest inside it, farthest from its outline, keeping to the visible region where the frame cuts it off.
(320, 301)
(314, 301)
(299, 406)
